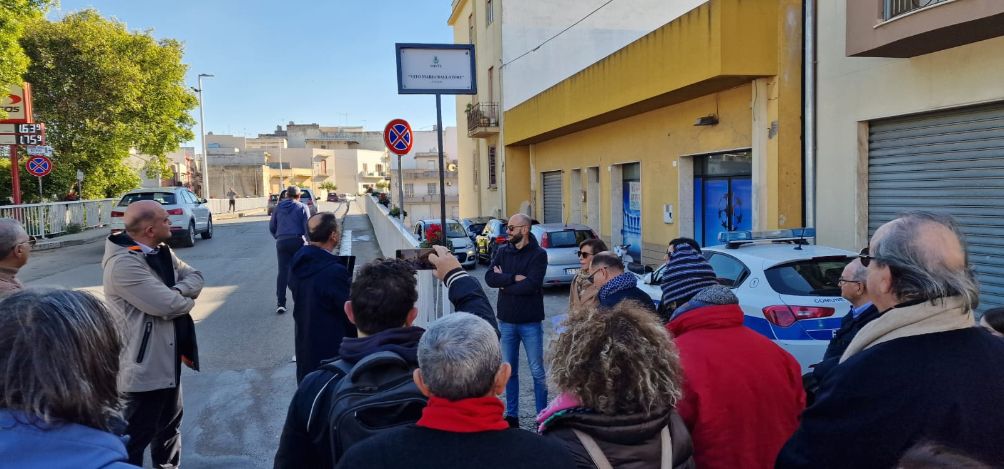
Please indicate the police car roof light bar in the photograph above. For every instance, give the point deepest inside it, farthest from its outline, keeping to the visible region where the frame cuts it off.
(735, 239)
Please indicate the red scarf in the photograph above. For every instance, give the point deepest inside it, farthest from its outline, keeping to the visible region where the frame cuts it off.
(478, 414)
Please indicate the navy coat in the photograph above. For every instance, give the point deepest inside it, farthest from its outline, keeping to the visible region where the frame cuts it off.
(519, 302)
(320, 286)
(633, 293)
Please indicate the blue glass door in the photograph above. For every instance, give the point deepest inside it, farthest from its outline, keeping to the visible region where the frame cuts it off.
(631, 229)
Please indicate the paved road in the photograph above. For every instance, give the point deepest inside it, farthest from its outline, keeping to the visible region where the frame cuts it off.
(235, 407)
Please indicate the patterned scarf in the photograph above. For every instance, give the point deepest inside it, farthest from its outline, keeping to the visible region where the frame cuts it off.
(621, 282)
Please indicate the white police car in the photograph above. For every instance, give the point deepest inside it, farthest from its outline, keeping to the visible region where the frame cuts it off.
(786, 287)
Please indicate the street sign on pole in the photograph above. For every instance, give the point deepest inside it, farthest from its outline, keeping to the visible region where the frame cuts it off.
(38, 166)
(39, 150)
(397, 136)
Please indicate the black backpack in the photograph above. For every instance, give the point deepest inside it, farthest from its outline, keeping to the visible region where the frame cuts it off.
(375, 395)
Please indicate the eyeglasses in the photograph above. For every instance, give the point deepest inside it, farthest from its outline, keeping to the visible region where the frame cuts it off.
(866, 258)
(593, 275)
(583, 254)
(843, 281)
(513, 227)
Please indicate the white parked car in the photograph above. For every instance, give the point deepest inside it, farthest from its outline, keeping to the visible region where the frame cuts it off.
(787, 288)
(189, 214)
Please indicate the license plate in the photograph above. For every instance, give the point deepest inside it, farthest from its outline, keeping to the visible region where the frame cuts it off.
(571, 271)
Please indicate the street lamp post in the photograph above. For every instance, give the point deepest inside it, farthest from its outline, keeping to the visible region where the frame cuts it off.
(202, 130)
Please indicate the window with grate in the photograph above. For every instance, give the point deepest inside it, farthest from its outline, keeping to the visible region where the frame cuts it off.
(432, 188)
(409, 190)
(492, 179)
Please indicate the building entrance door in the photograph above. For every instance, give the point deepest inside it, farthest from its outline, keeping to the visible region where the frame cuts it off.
(723, 189)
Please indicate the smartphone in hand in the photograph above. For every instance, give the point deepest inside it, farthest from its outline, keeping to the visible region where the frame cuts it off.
(418, 258)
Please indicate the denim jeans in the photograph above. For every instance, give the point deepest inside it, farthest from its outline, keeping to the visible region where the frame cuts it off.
(532, 336)
(285, 249)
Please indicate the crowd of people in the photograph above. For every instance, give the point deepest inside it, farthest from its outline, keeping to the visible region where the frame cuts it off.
(910, 379)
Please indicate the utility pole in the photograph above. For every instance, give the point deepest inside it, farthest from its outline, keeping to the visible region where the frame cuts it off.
(202, 130)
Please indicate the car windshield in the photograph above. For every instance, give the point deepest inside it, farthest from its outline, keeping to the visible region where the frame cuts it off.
(453, 229)
(165, 198)
(809, 277)
(568, 238)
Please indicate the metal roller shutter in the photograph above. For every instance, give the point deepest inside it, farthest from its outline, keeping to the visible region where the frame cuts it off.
(552, 197)
(950, 162)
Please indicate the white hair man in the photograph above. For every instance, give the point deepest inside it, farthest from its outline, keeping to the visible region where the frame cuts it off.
(462, 372)
(15, 249)
(919, 372)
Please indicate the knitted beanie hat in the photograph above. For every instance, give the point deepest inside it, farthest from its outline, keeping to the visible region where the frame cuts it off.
(716, 295)
(686, 273)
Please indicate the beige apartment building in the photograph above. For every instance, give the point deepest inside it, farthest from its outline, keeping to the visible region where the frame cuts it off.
(910, 116)
(481, 154)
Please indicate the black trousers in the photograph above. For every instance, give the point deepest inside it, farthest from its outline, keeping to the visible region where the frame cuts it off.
(285, 250)
(154, 420)
(233, 205)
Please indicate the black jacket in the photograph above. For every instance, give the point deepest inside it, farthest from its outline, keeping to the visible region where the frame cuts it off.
(627, 441)
(633, 293)
(414, 447)
(320, 286)
(300, 447)
(519, 302)
(942, 387)
(849, 327)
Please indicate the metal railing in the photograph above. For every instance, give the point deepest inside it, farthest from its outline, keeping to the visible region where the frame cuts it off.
(894, 8)
(49, 219)
(426, 174)
(483, 115)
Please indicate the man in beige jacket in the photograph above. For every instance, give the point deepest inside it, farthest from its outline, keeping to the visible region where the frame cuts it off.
(155, 292)
(15, 248)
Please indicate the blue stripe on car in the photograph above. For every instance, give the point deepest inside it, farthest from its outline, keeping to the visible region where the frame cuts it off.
(808, 329)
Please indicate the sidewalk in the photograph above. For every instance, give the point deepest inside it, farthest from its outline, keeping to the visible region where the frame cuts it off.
(357, 236)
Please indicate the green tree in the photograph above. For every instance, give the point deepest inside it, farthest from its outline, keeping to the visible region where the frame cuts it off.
(102, 90)
(328, 186)
(14, 16)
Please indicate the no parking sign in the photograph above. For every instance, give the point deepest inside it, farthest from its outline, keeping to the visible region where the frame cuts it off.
(39, 166)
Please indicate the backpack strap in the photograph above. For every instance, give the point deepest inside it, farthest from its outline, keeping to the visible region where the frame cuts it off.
(667, 449)
(595, 453)
(382, 359)
(339, 369)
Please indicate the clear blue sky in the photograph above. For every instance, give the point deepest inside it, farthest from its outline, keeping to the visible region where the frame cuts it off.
(324, 61)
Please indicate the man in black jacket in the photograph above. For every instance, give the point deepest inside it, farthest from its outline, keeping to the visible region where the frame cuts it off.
(320, 286)
(920, 372)
(518, 272)
(382, 306)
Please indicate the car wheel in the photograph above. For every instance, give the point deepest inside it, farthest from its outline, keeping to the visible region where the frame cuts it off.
(208, 234)
(189, 239)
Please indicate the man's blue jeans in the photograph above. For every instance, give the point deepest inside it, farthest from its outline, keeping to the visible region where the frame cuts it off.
(532, 336)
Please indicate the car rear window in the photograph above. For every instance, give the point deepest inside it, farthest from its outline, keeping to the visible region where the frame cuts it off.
(568, 238)
(165, 198)
(809, 277)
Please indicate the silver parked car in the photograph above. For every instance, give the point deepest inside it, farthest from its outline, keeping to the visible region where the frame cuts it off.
(561, 241)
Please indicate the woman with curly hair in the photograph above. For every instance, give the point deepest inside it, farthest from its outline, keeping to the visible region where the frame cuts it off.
(618, 377)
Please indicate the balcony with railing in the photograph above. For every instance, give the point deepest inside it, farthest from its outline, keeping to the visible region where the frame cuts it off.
(909, 28)
(483, 120)
(373, 174)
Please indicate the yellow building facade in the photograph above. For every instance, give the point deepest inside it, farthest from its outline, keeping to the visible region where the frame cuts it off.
(691, 130)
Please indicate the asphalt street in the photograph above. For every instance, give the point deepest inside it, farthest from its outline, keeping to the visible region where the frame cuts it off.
(235, 407)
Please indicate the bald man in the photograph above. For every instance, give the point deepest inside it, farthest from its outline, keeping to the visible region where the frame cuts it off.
(518, 272)
(320, 285)
(15, 249)
(919, 372)
(155, 292)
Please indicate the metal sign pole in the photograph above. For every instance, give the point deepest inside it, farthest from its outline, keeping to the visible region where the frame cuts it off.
(40, 196)
(15, 176)
(442, 175)
(400, 187)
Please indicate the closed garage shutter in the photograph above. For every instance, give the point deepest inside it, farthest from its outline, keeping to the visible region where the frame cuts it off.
(949, 162)
(552, 197)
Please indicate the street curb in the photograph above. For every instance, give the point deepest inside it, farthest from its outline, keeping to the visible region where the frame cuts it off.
(100, 233)
(240, 214)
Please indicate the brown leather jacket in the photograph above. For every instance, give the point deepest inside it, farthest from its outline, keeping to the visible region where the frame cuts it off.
(628, 441)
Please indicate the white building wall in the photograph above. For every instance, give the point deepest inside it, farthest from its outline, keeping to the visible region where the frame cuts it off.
(532, 66)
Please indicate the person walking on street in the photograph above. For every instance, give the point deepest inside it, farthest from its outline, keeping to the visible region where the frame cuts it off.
(462, 373)
(853, 288)
(288, 226)
(921, 371)
(233, 199)
(382, 307)
(615, 285)
(517, 270)
(59, 404)
(155, 292)
(15, 249)
(582, 292)
(320, 286)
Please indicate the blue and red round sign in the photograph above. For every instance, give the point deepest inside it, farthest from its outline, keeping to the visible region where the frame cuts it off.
(39, 166)
(397, 136)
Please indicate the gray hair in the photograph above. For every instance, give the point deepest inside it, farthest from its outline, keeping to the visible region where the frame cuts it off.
(859, 272)
(10, 231)
(918, 273)
(60, 357)
(459, 356)
(292, 192)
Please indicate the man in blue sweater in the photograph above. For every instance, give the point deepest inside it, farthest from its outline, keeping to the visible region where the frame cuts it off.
(920, 372)
(288, 226)
(518, 272)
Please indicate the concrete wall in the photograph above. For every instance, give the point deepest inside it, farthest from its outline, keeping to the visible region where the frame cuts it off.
(348, 166)
(391, 236)
(853, 91)
(246, 180)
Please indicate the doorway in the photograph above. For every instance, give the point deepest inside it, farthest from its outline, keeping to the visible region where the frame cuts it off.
(723, 191)
(631, 207)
